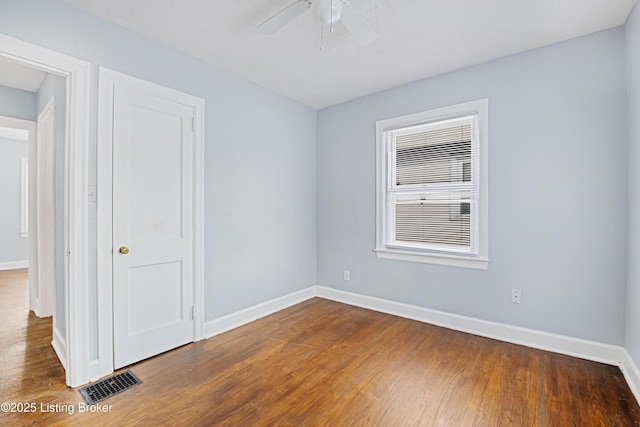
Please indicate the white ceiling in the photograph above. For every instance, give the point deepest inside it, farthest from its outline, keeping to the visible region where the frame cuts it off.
(20, 77)
(416, 38)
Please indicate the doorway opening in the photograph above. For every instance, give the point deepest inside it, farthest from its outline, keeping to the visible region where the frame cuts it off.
(71, 242)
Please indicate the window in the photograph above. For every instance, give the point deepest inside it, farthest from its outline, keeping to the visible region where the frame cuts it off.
(432, 203)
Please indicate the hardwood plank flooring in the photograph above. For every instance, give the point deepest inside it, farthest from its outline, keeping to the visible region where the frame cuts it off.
(319, 363)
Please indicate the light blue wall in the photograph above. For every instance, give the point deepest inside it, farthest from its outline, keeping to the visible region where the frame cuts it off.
(558, 209)
(259, 155)
(55, 86)
(17, 103)
(632, 333)
(557, 191)
(13, 247)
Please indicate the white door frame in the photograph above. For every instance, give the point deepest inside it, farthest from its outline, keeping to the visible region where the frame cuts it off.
(74, 356)
(44, 174)
(41, 292)
(107, 81)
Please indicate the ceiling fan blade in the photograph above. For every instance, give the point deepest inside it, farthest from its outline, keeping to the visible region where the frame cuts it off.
(283, 17)
(360, 28)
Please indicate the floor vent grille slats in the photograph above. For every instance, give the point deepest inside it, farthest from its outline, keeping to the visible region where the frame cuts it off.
(108, 387)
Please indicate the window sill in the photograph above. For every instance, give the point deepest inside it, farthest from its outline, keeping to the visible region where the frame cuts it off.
(476, 263)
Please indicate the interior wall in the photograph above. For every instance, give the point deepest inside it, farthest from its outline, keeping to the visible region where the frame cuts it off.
(18, 104)
(558, 209)
(632, 332)
(55, 86)
(557, 192)
(259, 156)
(13, 247)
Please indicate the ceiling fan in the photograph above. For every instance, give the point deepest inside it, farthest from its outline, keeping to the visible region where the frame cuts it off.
(326, 12)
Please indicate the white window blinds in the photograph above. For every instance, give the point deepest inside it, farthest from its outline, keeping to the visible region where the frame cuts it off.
(432, 188)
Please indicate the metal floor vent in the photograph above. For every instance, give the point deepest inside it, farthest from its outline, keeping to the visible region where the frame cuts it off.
(104, 389)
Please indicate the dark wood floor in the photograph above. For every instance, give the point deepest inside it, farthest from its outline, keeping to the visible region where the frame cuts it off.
(319, 363)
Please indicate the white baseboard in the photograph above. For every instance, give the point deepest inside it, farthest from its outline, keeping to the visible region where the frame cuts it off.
(631, 374)
(239, 318)
(589, 350)
(14, 265)
(576, 347)
(584, 349)
(93, 370)
(59, 345)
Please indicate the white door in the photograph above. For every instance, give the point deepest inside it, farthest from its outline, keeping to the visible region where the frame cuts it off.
(153, 230)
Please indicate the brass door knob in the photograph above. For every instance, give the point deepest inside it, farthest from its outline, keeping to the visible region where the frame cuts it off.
(124, 250)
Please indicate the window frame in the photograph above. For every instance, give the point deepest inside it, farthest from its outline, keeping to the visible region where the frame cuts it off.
(480, 260)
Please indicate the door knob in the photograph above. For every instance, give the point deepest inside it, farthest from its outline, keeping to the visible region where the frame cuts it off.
(124, 250)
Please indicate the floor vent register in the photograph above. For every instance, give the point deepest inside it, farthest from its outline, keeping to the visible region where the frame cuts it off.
(104, 389)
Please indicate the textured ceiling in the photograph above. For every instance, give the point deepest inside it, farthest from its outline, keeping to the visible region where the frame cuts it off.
(416, 38)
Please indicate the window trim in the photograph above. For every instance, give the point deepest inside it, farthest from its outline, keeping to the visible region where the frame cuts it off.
(479, 261)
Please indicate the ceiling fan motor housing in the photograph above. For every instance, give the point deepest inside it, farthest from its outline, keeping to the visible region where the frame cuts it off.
(326, 11)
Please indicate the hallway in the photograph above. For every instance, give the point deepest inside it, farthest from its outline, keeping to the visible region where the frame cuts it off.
(29, 368)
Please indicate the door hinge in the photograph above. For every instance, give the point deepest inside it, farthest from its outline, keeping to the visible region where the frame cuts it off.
(193, 123)
(193, 312)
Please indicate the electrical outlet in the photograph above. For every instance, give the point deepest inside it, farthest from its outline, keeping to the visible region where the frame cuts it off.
(516, 296)
(347, 275)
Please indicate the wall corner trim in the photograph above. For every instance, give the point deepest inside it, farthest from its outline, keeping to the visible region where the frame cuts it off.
(248, 315)
(570, 346)
(631, 373)
(59, 345)
(584, 349)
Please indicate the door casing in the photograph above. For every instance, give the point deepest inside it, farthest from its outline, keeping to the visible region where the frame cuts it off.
(108, 80)
(44, 207)
(72, 353)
